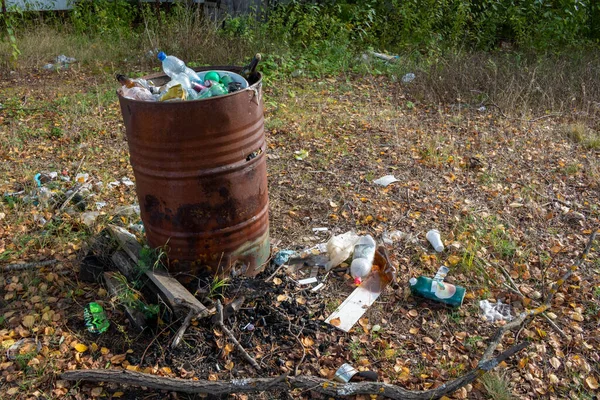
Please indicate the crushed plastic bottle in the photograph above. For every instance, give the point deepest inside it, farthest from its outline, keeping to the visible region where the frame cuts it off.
(173, 66)
(339, 248)
(95, 318)
(362, 260)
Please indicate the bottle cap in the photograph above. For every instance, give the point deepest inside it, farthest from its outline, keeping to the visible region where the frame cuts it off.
(161, 56)
(412, 281)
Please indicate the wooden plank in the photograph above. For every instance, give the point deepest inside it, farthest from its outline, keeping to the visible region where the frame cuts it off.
(176, 295)
(127, 241)
(124, 264)
(173, 292)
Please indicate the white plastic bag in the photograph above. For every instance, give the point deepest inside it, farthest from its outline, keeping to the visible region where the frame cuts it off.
(339, 248)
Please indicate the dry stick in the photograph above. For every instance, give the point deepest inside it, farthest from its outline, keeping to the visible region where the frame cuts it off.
(556, 327)
(237, 344)
(487, 355)
(30, 265)
(248, 385)
(183, 328)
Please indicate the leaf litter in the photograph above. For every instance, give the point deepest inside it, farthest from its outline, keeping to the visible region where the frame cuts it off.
(503, 193)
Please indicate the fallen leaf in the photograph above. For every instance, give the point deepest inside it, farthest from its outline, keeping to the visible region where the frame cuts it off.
(277, 281)
(555, 362)
(104, 351)
(428, 340)
(118, 394)
(282, 297)
(592, 382)
(413, 331)
(12, 391)
(453, 260)
(413, 313)
(307, 341)
(80, 347)
(229, 365)
(577, 317)
(335, 321)
(97, 392)
(28, 321)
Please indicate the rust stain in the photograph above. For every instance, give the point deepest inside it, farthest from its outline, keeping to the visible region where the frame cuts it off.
(199, 193)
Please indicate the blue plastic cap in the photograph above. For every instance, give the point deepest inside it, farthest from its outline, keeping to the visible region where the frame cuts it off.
(161, 56)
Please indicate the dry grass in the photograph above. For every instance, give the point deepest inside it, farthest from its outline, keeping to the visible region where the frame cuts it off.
(581, 134)
(497, 385)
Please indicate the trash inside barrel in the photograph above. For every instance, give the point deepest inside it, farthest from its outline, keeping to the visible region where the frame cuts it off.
(201, 177)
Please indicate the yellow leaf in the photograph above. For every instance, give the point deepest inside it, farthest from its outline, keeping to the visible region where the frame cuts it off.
(523, 362)
(118, 394)
(229, 366)
(165, 370)
(277, 281)
(133, 368)
(28, 321)
(592, 382)
(453, 260)
(104, 351)
(12, 391)
(213, 377)
(94, 347)
(119, 358)
(335, 321)
(80, 347)
(413, 331)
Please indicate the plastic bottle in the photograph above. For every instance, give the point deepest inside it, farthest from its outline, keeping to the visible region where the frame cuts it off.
(95, 318)
(184, 81)
(215, 89)
(362, 260)
(339, 248)
(212, 76)
(436, 290)
(173, 66)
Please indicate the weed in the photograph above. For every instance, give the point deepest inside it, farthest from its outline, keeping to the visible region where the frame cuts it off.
(497, 385)
(597, 292)
(217, 287)
(355, 350)
(455, 317)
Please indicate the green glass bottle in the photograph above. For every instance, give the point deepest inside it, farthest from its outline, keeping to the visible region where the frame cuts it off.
(212, 76)
(95, 318)
(437, 290)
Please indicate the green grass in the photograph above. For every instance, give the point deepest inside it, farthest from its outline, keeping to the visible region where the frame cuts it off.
(497, 385)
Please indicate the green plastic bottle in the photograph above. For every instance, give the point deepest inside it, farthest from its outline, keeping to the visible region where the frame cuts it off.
(95, 318)
(437, 290)
(212, 76)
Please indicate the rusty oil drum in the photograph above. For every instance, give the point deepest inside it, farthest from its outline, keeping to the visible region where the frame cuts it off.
(201, 179)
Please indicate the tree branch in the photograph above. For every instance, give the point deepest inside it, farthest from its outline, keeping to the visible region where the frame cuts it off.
(247, 385)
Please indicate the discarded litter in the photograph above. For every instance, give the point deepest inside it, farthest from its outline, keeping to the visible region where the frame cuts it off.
(362, 260)
(187, 84)
(95, 318)
(282, 256)
(320, 229)
(384, 57)
(393, 236)
(307, 281)
(345, 373)
(438, 290)
(300, 154)
(493, 312)
(339, 248)
(318, 287)
(23, 346)
(385, 180)
(357, 303)
(408, 78)
(89, 218)
(433, 236)
(61, 61)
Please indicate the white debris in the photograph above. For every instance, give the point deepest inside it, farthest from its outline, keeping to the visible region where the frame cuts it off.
(385, 180)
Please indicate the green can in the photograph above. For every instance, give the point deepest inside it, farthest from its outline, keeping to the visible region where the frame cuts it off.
(95, 318)
(437, 290)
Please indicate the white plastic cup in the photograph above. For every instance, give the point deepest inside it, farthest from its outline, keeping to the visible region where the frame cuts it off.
(433, 236)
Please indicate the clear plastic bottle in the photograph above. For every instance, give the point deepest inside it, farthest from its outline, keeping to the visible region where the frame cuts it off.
(184, 81)
(339, 248)
(362, 260)
(138, 93)
(174, 66)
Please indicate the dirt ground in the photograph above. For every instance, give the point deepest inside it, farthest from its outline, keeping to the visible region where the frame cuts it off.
(504, 193)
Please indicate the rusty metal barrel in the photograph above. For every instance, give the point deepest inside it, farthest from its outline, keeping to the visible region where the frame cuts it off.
(201, 179)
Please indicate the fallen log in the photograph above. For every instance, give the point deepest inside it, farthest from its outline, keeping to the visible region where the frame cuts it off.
(249, 385)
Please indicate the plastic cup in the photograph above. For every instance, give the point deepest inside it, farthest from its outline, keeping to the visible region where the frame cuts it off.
(433, 236)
